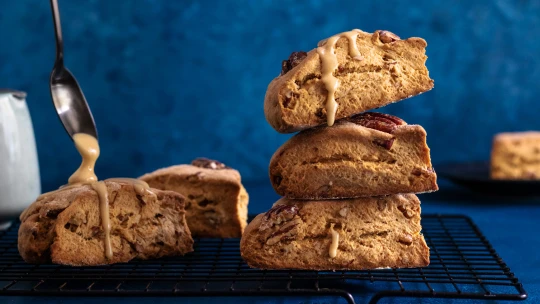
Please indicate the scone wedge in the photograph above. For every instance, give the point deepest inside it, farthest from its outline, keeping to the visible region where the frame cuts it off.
(516, 156)
(216, 199)
(351, 234)
(368, 154)
(386, 70)
(65, 227)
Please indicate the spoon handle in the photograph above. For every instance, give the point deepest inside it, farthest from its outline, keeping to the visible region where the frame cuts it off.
(58, 32)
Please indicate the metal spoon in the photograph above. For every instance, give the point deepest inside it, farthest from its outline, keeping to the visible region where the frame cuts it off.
(67, 96)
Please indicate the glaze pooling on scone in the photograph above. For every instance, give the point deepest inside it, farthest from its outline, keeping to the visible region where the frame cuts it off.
(140, 186)
(359, 71)
(67, 228)
(382, 231)
(329, 64)
(88, 147)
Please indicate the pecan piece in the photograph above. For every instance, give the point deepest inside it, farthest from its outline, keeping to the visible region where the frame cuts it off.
(277, 215)
(202, 162)
(406, 212)
(294, 59)
(377, 121)
(53, 213)
(387, 37)
(284, 233)
(406, 239)
(385, 143)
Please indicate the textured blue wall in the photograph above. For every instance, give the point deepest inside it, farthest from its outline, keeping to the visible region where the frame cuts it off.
(172, 80)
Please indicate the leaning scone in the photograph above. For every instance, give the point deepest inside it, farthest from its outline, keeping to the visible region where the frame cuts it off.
(65, 226)
(516, 156)
(216, 200)
(385, 70)
(368, 154)
(352, 234)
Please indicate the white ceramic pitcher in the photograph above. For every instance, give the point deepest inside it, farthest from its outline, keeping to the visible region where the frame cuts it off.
(19, 169)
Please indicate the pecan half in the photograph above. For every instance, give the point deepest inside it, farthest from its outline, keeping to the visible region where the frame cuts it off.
(202, 162)
(277, 215)
(294, 59)
(378, 121)
(387, 37)
(286, 232)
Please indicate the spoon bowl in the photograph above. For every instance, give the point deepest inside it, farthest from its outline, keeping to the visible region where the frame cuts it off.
(70, 103)
(67, 96)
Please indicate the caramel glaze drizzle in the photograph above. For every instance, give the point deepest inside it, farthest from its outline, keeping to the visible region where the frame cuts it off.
(88, 147)
(335, 242)
(329, 63)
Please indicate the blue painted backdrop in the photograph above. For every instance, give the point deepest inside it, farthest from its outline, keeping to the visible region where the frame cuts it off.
(172, 80)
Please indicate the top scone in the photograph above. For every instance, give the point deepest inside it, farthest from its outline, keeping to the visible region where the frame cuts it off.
(387, 70)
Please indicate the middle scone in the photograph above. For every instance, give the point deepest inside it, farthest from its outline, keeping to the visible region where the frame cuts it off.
(368, 154)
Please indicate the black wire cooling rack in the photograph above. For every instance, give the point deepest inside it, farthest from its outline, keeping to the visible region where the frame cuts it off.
(463, 265)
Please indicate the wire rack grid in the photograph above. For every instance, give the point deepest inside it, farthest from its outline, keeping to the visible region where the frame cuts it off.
(463, 266)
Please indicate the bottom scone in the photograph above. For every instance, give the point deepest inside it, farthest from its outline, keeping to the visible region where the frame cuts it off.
(349, 234)
(66, 226)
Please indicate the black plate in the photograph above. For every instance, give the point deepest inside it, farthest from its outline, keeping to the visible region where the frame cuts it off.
(475, 176)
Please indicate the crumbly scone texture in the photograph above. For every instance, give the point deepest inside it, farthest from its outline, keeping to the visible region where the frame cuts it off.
(516, 156)
(349, 160)
(373, 232)
(387, 73)
(65, 227)
(216, 201)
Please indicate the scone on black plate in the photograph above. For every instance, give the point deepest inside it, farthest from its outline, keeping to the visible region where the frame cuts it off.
(367, 154)
(516, 156)
(348, 234)
(66, 226)
(216, 199)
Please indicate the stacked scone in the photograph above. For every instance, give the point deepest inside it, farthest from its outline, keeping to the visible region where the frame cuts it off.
(348, 185)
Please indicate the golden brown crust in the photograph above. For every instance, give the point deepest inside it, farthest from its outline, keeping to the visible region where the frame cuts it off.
(516, 156)
(373, 232)
(349, 160)
(65, 226)
(388, 72)
(216, 199)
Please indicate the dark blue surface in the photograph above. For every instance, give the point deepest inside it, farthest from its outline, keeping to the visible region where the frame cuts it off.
(172, 80)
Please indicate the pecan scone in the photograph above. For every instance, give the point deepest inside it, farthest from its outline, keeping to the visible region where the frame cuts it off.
(351, 234)
(216, 204)
(383, 69)
(65, 226)
(516, 156)
(368, 154)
